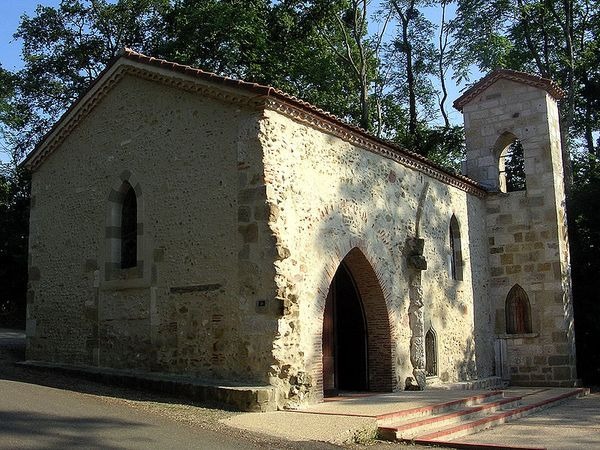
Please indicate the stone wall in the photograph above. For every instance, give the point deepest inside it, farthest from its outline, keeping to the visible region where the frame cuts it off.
(328, 197)
(244, 216)
(527, 229)
(190, 306)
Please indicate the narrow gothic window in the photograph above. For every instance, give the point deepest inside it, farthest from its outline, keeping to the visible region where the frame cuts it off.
(455, 250)
(430, 353)
(518, 311)
(128, 228)
(512, 168)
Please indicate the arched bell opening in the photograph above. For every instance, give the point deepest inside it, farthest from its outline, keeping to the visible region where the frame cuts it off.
(511, 163)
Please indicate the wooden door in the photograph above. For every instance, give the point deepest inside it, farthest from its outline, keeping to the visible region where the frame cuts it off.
(329, 382)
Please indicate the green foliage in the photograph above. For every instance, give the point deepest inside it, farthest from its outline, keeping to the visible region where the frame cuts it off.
(514, 167)
(557, 40)
(444, 146)
(229, 38)
(584, 234)
(7, 81)
(411, 56)
(65, 49)
(14, 230)
(11, 117)
(334, 44)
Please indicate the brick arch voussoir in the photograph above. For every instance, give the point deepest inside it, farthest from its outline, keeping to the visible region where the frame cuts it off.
(375, 295)
(380, 326)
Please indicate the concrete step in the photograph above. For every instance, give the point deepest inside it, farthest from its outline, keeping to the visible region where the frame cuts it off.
(437, 408)
(442, 428)
(410, 430)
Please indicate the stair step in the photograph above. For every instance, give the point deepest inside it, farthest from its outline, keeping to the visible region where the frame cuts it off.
(437, 424)
(429, 410)
(447, 434)
(408, 430)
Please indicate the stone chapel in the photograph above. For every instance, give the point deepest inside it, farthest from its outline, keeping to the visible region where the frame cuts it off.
(190, 224)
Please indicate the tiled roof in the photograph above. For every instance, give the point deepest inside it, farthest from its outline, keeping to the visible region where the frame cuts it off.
(378, 145)
(257, 88)
(513, 75)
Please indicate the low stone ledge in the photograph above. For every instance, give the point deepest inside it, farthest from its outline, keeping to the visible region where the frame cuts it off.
(238, 396)
(518, 336)
(470, 385)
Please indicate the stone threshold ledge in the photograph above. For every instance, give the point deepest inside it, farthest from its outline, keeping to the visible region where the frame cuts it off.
(518, 336)
(470, 385)
(239, 396)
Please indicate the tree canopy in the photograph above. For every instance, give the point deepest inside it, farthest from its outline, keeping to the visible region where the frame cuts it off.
(384, 65)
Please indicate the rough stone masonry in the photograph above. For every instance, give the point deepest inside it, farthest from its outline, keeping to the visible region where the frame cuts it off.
(247, 202)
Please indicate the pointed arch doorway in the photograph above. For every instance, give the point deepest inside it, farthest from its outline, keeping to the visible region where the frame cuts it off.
(344, 337)
(356, 339)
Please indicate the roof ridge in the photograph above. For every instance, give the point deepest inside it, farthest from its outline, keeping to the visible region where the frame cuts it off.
(296, 101)
(275, 94)
(550, 86)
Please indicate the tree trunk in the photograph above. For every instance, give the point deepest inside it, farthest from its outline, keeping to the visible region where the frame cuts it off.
(410, 76)
(443, 42)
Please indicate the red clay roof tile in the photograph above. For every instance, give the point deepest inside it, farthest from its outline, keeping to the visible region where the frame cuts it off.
(260, 89)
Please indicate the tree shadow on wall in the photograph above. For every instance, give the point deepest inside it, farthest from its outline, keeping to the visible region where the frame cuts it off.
(375, 214)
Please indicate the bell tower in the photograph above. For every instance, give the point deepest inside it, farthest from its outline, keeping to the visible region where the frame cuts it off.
(514, 150)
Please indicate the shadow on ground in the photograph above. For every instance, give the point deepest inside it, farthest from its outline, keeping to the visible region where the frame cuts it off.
(56, 431)
(12, 350)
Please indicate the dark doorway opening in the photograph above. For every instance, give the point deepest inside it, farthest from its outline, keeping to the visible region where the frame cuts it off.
(344, 337)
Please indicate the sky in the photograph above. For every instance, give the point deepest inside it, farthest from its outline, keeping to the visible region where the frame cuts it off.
(10, 48)
(10, 14)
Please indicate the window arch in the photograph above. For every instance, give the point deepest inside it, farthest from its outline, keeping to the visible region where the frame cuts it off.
(124, 231)
(431, 368)
(128, 232)
(518, 311)
(511, 163)
(456, 265)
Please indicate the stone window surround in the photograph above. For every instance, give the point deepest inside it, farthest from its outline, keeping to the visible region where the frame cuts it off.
(504, 141)
(455, 260)
(513, 299)
(431, 332)
(114, 276)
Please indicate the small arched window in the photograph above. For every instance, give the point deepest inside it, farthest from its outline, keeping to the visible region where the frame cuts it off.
(124, 230)
(431, 353)
(511, 164)
(455, 250)
(128, 227)
(518, 311)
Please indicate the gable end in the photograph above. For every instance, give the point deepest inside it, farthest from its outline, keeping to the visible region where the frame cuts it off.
(512, 75)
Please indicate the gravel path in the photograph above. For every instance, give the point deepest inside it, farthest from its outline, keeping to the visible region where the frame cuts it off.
(197, 416)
